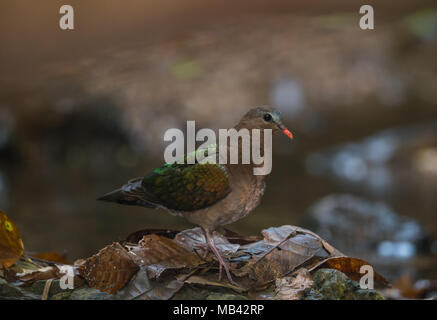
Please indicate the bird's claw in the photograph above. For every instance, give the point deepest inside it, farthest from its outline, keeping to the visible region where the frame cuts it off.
(224, 265)
(221, 261)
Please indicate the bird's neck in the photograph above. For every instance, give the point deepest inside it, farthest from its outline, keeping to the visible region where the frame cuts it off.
(249, 150)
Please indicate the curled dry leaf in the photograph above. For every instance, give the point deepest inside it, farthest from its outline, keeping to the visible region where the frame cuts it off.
(159, 253)
(11, 246)
(351, 267)
(110, 269)
(282, 251)
(274, 235)
(293, 287)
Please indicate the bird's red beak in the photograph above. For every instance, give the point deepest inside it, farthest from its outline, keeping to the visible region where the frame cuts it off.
(285, 131)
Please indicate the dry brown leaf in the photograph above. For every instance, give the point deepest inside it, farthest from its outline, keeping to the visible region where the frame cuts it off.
(331, 250)
(22, 267)
(27, 271)
(159, 253)
(274, 235)
(50, 256)
(110, 269)
(7, 258)
(138, 285)
(350, 267)
(282, 251)
(208, 282)
(11, 246)
(293, 287)
(45, 273)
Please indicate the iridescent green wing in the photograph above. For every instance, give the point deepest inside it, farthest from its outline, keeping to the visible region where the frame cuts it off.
(187, 187)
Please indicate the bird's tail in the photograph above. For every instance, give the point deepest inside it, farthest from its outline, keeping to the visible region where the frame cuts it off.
(113, 196)
(132, 194)
(119, 196)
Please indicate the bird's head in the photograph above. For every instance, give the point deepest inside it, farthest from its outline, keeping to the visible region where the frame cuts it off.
(264, 118)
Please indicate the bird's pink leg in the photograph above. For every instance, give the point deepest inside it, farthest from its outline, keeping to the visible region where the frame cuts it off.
(222, 263)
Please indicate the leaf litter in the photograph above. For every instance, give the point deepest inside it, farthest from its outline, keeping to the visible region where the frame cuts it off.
(156, 264)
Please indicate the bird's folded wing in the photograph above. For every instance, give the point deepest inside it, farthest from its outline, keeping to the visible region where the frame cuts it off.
(185, 187)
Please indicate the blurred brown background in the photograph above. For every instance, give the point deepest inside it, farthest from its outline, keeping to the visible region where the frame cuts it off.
(82, 111)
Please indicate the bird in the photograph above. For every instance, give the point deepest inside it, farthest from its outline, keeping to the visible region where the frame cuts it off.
(209, 195)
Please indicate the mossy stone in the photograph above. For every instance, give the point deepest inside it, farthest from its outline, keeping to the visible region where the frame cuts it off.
(330, 284)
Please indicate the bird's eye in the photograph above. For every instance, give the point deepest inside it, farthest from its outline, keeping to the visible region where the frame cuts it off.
(268, 117)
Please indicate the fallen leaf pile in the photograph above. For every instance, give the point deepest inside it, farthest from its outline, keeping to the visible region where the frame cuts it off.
(156, 264)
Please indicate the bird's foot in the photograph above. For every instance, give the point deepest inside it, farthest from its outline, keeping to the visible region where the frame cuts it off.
(224, 265)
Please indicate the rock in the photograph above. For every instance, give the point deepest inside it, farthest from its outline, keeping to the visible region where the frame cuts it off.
(331, 284)
(9, 291)
(359, 226)
(385, 162)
